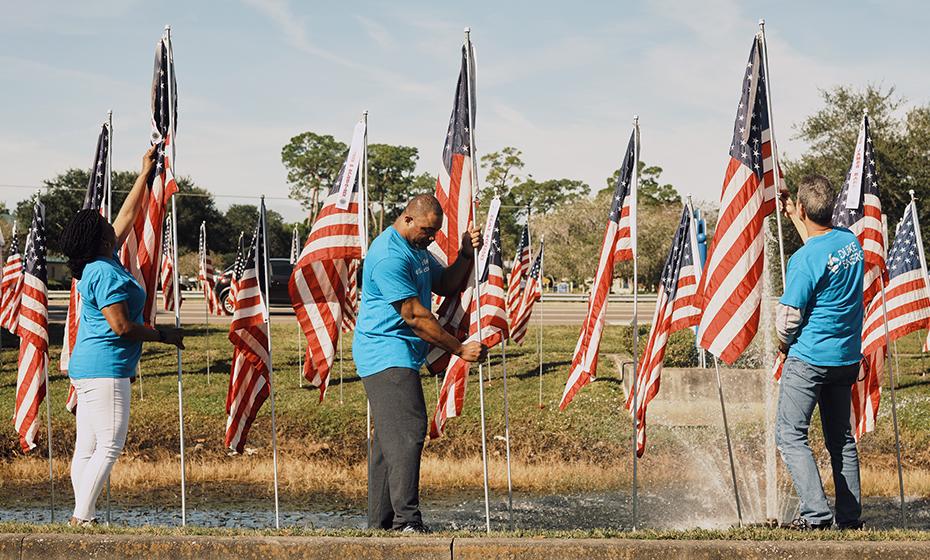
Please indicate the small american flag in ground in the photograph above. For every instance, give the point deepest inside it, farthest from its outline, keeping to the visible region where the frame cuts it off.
(493, 331)
(142, 249)
(516, 282)
(97, 188)
(249, 381)
(319, 284)
(11, 286)
(167, 268)
(731, 286)
(617, 246)
(676, 309)
(207, 275)
(33, 334)
(531, 294)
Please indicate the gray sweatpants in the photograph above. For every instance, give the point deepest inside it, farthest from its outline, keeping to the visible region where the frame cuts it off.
(398, 413)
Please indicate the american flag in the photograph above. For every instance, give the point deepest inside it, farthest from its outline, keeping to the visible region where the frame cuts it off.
(319, 284)
(454, 190)
(238, 268)
(167, 268)
(33, 334)
(250, 379)
(676, 309)
(141, 251)
(731, 285)
(531, 294)
(858, 207)
(350, 304)
(517, 281)
(617, 246)
(98, 186)
(11, 286)
(206, 274)
(493, 331)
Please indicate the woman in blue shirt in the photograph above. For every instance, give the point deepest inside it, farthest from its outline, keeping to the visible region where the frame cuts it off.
(109, 342)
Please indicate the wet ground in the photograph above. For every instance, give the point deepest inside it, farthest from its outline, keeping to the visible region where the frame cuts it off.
(576, 511)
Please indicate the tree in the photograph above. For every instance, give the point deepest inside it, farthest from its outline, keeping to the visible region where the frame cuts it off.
(503, 170)
(313, 162)
(390, 178)
(196, 205)
(244, 217)
(900, 139)
(543, 196)
(651, 191)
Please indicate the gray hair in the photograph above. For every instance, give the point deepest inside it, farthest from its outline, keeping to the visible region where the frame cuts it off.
(818, 197)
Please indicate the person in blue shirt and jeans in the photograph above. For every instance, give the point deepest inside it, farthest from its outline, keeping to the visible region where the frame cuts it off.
(819, 325)
(109, 342)
(395, 330)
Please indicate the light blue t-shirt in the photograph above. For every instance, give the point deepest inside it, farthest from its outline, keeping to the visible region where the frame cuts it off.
(98, 351)
(394, 271)
(824, 281)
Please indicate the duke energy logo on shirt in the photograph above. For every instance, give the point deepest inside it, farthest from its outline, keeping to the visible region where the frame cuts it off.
(845, 257)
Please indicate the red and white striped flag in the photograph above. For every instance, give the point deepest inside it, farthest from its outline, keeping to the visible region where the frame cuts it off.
(731, 286)
(167, 269)
(516, 281)
(455, 189)
(32, 329)
(676, 309)
(618, 246)
(141, 251)
(319, 285)
(11, 286)
(350, 305)
(493, 329)
(531, 294)
(207, 275)
(249, 381)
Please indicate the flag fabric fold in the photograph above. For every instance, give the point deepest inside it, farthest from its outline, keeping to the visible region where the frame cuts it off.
(11, 285)
(531, 294)
(167, 268)
(207, 275)
(516, 281)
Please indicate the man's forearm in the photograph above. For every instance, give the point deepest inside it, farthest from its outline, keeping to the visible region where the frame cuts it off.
(127, 214)
(428, 328)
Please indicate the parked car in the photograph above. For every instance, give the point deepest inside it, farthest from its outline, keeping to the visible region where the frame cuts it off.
(277, 289)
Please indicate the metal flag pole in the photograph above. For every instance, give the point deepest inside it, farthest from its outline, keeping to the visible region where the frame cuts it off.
(177, 286)
(300, 332)
(635, 322)
(775, 169)
(726, 431)
(894, 403)
(48, 408)
(341, 367)
(109, 198)
(206, 303)
(274, 430)
(539, 317)
(507, 433)
(363, 240)
(473, 179)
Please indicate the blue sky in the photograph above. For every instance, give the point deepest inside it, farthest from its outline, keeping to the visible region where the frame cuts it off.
(561, 81)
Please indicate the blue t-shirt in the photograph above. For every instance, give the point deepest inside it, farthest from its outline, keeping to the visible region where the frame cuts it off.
(824, 282)
(98, 351)
(394, 271)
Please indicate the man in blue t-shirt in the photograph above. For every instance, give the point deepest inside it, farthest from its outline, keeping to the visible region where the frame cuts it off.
(394, 332)
(819, 324)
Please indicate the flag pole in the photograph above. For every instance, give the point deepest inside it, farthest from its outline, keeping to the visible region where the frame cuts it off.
(300, 363)
(726, 431)
(539, 317)
(48, 409)
(341, 366)
(363, 240)
(177, 289)
(274, 430)
(206, 302)
(109, 198)
(473, 179)
(775, 169)
(635, 321)
(507, 433)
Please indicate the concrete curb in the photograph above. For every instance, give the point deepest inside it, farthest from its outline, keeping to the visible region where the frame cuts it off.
(71, 546)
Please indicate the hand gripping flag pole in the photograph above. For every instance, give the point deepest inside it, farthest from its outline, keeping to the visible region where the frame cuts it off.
(470, 89)
(633, 190)
(274, 430)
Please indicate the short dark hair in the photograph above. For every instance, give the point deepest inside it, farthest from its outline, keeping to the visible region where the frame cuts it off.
(818, 197)
(422, 205)
(81, 239)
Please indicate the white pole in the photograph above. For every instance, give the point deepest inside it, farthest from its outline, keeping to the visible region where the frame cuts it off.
(51, 470)
(473, 178)
(507, 433)
(300, 357)
(539, 318)
(363, 218)
(726, 431)
(635, 186)
(341, 364)
(776, 169)
(109, 198)
(177, 286)
(206, 303)
(274, 430)
(894, 404)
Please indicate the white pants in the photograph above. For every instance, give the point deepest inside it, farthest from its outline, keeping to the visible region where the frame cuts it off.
(102, 421)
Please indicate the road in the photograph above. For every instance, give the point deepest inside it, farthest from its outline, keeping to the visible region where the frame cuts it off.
(553, 312)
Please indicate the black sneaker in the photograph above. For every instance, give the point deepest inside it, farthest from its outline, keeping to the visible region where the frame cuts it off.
(857, 525)
(414, 528)
(801, 524)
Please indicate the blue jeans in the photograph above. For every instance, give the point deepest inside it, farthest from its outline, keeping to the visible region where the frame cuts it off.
(802, 387)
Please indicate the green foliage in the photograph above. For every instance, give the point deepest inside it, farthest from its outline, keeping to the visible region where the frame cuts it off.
(391, 179)
(651, 191)
(244, 217)
(312, 161)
